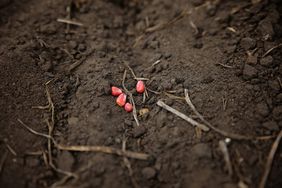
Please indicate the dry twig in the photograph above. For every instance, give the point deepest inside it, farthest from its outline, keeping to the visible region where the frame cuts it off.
(134, 112)
(156, 62)
(101, 149)
(271, 49)
(224, 103)
(223, 148)
(192, 24)
(128, 165)
(11, 149)
(61, 183)
(105, 149)
(183, 116)
(270, 160)
(224, 133)
(133, 73)
(225, 66)
(76, 64)
(231, 29)
(3, 159)
(71, 22)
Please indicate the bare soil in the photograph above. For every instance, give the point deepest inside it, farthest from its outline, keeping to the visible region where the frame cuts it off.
(226, 53)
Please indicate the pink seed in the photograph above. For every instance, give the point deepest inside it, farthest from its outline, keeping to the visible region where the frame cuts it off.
(128, 107)
(116, 91)
(140, 86)
(121, 100)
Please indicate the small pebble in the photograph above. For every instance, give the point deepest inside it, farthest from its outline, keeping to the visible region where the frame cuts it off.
(262, 109)
(81, 47)
(266, 61)
(73, 44)
(249, 72)
(139, 131)
(271, 125)
(277, 113)
(149, 172)
(202, 150)
(247, 43)
(252, 59)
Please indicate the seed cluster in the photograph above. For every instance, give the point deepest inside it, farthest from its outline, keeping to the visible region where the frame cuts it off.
(121, 97)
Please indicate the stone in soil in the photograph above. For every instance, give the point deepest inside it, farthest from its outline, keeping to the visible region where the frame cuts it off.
(271, 125)
(266, 61)
(247, 43)
(262, 109)
(277, 113)
(274, 85)
(266, 29)
(252, 59)
(139, 131)
(278, 98)
(73, 44)
(149, 172)
(202, 150)
(249, 72)
(161, 119)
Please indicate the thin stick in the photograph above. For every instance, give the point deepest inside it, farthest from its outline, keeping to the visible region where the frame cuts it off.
(224, 103)
(192, 24)
(50, 133)
(183, 116)
(156, 62)
(105, 149)
(270, 50)
(80, 61)
(33, 153)
(71, 22)
(225, 66)
(49, 148)
(128, 165)
(33, 131)
(67, 173)
(102, 149)
(61, 182)
(134, 112)
(50, 126)
(224, 150)
(45, 158)
(76, 64)
(11, 149)
(3, 159)
(40, 107)
(133, 74)
(270, 160)
(68, 16)
(280, 82)
(231, 29)
(226, 134)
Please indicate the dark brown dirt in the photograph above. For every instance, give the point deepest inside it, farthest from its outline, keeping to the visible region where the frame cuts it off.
(221, 61)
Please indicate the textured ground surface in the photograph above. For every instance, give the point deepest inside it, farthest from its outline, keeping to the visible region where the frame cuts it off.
(216, 49)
